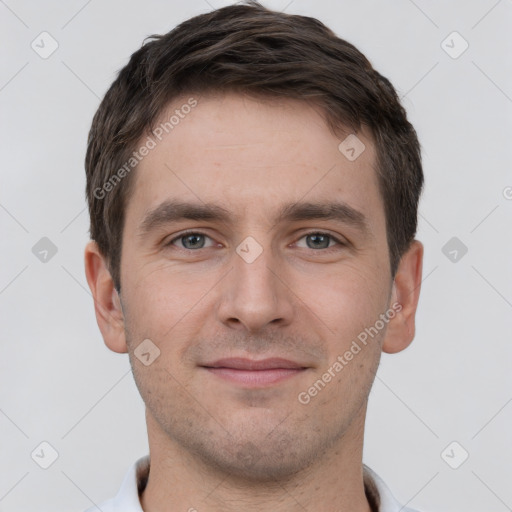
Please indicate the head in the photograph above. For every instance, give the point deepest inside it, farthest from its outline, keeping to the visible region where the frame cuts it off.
(233, 127)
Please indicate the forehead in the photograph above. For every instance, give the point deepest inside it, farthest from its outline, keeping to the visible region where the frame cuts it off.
(252, 156)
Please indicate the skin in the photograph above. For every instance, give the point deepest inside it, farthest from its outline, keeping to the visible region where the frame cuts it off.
(216, 445)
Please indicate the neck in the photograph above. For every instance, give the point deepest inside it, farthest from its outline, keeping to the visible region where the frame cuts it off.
(181, 480)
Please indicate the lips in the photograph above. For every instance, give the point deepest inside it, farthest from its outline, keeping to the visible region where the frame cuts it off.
(250, 373)
(240, 363)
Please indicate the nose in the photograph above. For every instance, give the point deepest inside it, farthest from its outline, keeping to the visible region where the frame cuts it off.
(255, 294)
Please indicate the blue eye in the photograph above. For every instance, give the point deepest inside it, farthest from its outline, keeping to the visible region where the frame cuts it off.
(190, 240)
(319, 240)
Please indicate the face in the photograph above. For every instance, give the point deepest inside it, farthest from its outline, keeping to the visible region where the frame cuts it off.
(250, 264)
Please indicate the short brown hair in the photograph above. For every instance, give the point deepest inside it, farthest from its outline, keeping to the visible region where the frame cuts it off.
(250, 49)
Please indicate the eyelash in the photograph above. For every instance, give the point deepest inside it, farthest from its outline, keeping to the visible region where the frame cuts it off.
(193, 232)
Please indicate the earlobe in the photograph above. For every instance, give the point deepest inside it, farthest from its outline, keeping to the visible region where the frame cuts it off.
(107, 304)
(406, 291)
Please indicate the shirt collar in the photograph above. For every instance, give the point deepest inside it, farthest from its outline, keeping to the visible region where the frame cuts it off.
(135, 480)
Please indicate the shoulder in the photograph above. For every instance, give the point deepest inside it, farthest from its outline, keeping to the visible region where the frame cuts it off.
(380, 493)
(127, 498)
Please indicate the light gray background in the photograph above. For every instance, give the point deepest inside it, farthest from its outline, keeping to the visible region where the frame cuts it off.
(60, 384)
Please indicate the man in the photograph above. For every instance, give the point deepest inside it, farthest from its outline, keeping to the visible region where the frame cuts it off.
(253, 186)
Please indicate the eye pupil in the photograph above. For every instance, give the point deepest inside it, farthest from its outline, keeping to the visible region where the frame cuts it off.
(318, 238)
(193, 238)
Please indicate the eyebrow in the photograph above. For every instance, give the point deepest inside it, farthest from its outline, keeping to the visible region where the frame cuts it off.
(174, 211)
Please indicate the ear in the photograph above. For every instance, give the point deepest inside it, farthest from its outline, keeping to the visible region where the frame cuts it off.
(405, 294)
(107, 304)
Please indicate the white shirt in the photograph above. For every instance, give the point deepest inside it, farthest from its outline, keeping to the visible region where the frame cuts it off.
(127, 499)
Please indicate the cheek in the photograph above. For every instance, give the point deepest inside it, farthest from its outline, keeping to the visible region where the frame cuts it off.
(352, 303)
(168, 307)
(351, 299)
(160, 296)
